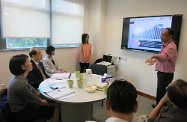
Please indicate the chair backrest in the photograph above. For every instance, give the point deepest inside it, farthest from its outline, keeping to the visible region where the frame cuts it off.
(98, 60)
(98, 69)
(2, 117)
(3, 104)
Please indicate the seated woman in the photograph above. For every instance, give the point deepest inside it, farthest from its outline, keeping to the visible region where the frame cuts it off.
(50, 63)
(24, 100)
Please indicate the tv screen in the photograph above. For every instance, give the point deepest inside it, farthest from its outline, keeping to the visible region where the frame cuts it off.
(143, 33)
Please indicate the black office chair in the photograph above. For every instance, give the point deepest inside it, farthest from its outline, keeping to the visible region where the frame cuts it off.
(2, 117)
(98, 69)
(98, 60)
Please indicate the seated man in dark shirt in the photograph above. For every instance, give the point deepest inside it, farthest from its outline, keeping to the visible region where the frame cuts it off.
(37, 75)
(176, 110)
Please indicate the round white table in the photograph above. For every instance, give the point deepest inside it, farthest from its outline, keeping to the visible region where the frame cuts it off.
(77, 108)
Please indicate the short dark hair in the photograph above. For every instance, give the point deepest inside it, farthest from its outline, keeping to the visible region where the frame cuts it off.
(32, 52)
(170, 31)
(122, 96)
(49, 49)
(177, 93)
(16, 62)
(84, 35)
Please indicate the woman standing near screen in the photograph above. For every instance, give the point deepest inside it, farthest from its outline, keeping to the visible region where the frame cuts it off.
(85, 53)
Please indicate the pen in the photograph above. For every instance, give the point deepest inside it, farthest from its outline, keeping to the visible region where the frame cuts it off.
(55, 88)
(69, 76)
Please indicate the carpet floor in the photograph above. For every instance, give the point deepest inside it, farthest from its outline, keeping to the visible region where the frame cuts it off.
(100, 114)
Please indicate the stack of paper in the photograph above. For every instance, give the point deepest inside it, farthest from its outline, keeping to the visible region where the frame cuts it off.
(57, 91)
(56, 81)
(64, 75)
(104, 63)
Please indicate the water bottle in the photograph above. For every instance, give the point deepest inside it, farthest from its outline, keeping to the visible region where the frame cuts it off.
(88, 78)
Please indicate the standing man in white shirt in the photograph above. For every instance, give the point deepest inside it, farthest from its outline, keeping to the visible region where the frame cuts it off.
(121, 101)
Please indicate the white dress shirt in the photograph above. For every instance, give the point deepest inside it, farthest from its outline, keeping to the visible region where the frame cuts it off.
(49, 66)
(114, 119)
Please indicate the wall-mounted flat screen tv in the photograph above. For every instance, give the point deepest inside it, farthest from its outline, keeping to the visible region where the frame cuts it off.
(143, 33)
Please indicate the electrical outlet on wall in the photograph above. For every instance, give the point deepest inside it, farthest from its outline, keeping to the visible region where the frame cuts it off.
(115, 57)
(123, 58)
(118, 58)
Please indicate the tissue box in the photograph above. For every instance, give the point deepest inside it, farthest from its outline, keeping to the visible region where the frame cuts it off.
(104, 79)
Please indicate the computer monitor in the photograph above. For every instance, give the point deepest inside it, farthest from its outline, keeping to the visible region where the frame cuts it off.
(107, 58)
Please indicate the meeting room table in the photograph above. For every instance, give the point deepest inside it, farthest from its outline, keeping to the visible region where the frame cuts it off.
(77, 107)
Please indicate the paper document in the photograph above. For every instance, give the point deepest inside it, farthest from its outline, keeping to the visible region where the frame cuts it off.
(46, 89)
(59, 93)
(49, 88)
(68, 96)
(56, 81)
(104, 63)
(59, 76)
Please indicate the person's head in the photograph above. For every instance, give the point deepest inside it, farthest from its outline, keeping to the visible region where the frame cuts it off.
(35, 54)
(177, 93)
(85, 38)
(19, 64)
(50, 50)
(167, 34)
(121, 97)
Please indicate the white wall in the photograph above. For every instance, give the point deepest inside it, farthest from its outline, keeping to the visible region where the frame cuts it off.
(96, 17)
(134, 69)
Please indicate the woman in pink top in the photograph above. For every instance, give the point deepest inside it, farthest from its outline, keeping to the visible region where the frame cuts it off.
(85, 52)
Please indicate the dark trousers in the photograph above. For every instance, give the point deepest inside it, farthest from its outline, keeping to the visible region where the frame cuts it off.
(163, 80)
(83, 67)
(33, 112)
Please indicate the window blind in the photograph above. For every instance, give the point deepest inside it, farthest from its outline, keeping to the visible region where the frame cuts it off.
(26, 18)
(67, 21)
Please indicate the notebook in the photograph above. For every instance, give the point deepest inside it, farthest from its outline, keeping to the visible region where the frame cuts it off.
(57, 91)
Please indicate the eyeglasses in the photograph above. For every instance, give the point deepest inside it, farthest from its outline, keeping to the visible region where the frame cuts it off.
(39, 53)
(164, 35)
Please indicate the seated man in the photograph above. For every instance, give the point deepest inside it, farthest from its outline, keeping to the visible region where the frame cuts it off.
(176, 110)
(37, 75)
(121, 101)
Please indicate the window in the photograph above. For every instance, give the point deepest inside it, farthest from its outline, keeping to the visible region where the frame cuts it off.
(67, 21)
(13, 43)
(28, 23)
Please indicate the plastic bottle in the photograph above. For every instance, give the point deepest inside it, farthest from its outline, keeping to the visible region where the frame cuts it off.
(88, 78)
